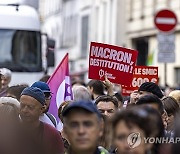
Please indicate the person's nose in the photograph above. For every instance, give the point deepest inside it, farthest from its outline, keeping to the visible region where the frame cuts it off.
(24, 109)
(136, 97)
(106, 113)
(2, 81)
(81, 129)
(167, 119)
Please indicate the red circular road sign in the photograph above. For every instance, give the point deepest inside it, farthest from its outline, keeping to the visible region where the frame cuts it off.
(165, 20)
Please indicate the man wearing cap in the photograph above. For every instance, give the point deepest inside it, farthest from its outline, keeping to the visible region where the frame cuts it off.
(5, 80)
(149, 88)
(39, 137)
(46, 116)
(83, 126)
(145, 96)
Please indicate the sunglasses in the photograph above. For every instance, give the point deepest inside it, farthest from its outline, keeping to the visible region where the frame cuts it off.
(48, 95)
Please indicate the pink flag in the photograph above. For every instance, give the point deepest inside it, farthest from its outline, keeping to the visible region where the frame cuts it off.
(60, 86)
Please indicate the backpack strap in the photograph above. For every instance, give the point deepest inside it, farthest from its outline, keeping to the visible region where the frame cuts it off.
(52, 118)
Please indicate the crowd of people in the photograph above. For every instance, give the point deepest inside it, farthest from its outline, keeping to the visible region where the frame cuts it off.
(99, 120)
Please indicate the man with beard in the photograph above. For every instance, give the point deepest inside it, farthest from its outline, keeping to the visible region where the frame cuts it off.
(46, 116)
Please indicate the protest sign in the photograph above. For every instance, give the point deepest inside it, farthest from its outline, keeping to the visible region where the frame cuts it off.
(117, 63)
(141, 74)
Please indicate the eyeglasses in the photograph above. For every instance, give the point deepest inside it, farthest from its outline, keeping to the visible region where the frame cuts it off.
(48, 96)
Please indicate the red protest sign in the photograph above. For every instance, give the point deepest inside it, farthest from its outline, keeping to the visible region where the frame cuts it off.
(117, 63)
(141, 74)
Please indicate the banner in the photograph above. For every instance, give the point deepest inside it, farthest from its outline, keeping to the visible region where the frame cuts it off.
(60, 86)
(117, 63)
(141, 74)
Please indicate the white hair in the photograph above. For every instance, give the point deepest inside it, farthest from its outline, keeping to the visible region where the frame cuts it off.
(80, 93)
(5, 72)
(10, 100)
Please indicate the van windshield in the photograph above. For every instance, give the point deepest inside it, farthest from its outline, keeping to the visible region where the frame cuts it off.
(20, 50)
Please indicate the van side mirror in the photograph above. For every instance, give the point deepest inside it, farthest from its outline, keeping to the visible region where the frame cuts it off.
(50, 52)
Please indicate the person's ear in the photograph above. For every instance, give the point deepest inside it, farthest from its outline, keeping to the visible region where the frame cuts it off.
(92, 89)
(63, 133)
(43, 108)
(65, 130)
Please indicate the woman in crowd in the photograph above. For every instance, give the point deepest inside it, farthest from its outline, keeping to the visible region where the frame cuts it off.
(106, 139)
(171, 106)
(9, 126)
(132, 125)
(175, 147)
(176, 95)
(60, 110)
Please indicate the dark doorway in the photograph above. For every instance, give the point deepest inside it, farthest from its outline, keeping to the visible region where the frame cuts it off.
(141, 45)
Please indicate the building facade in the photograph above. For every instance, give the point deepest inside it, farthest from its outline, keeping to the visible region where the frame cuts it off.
(142, 35)
(129, 23)
(85, 21)
(50, 15)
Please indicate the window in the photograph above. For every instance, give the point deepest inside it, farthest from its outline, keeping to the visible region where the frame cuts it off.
(141, 45)
(84, 35)
(21, 50)
(104, 21)
(142, 9)
(70, 21)
(154, 6)
(131, 10)
(96, 22)
(168, 3)
(72, 66)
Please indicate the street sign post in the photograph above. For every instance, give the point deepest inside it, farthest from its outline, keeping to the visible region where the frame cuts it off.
(165, 21)
(166, 48)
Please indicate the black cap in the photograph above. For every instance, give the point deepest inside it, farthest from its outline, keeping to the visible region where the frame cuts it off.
(151, 87)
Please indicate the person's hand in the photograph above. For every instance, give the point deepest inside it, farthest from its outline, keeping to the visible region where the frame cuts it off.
(134, 97)
(165, 119)
(109, 86)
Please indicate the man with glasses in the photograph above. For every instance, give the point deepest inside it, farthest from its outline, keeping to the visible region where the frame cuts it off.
(46, 116)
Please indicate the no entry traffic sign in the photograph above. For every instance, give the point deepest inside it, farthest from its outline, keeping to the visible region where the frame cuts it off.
(165, 20)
